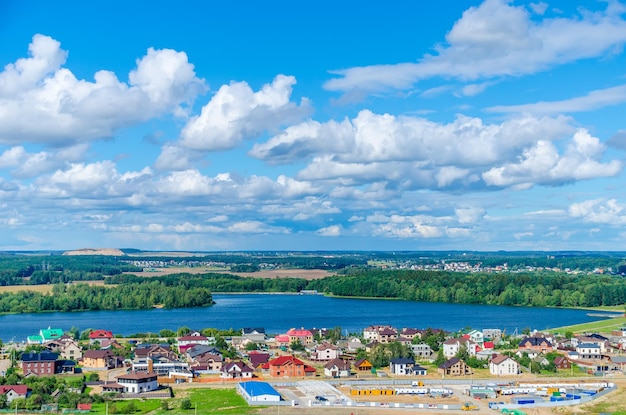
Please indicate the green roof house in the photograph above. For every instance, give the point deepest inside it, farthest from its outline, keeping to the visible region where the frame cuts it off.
(50, 334)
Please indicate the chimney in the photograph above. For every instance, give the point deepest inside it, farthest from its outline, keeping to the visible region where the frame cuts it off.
(150, 365)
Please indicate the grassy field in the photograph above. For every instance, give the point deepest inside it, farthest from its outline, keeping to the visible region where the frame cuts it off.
(203, 402)
(602, 326)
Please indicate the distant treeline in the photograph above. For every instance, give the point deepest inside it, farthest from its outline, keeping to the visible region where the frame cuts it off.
(216, 282)
(78, 297)
(533, 289)
(51, 269)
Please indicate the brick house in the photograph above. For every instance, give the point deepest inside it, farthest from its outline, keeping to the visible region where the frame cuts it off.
(289, 366)
(454, 367)
(43, 363)
(535, 345)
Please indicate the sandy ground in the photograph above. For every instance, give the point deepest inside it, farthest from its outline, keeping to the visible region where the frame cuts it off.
(308, 274)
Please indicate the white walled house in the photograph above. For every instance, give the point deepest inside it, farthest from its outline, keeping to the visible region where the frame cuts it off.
(138, 382)
(502, 365)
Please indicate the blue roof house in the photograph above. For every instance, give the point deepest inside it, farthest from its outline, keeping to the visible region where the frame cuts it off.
(254, 391)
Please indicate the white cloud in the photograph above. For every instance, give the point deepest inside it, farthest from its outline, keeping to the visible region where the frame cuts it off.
(592, 101)
(410, 153)
(28, 165)
(333, 230)
(497, 39)
(236, 112)
(43, 102)
(608, 212)
(542, 164)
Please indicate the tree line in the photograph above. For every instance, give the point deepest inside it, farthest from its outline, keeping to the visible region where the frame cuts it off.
(523, 289)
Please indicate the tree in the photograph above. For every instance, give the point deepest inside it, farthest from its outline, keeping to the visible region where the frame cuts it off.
(296, 345)
(440, 357)
(251, 346)
(463, 353)
(183, 331)
(167, 333)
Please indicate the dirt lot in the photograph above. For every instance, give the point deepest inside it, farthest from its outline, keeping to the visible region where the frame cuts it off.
(308, 274)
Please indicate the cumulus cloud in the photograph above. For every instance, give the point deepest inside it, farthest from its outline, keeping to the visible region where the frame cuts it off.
(236, 112)
(608, 212)
(498, 39)
(333, 230)
(28, 165)
(43, 102)
(409, 152)
(542, 164)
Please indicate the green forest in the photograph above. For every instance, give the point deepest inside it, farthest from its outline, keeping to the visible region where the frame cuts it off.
(524, 289)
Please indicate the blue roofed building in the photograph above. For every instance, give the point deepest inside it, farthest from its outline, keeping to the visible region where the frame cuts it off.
(254, 391)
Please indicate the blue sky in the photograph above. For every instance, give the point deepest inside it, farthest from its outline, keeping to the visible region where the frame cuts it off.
(470, 125)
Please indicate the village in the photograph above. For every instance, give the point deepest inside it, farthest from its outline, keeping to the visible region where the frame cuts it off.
(382, 366)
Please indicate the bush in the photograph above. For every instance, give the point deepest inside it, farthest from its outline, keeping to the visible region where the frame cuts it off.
(165, 405)
(185, 404)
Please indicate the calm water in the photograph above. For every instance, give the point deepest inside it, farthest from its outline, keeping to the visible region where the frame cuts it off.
(278, 312)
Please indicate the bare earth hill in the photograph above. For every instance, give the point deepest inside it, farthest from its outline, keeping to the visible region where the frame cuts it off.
(96, 251)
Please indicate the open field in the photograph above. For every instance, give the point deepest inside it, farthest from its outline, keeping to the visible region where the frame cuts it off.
(308, 274)
(45, 289)
(602, 326)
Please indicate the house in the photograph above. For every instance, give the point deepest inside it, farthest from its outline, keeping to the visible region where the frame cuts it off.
(541, 360)
(70, 350)
(193, 339)
(207, 361)
(354, 344)
(254, 391)
(562, 362)
(255, 334)
(501, 365)
(337, 368)
(161, 365)
(401, 366)
(422, 351)
(302, 335)
(373, 333)
(102, 337)
(476, 336)
(143, 351)
(452, 346)
(596, 339)
(535, 345)
(363, 365)
(454, 367)
(43, 363)
(138, 382)
(418, 370)
(325, 351)
(387, 335)
(289, 367)
(589, 351)
(45, 335)
(494, 335)
(409, 333)
(99, 360)
(236, 370)
(257, 358)
(14, 391)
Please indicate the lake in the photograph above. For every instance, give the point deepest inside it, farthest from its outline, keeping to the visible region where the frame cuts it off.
(279, 312)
